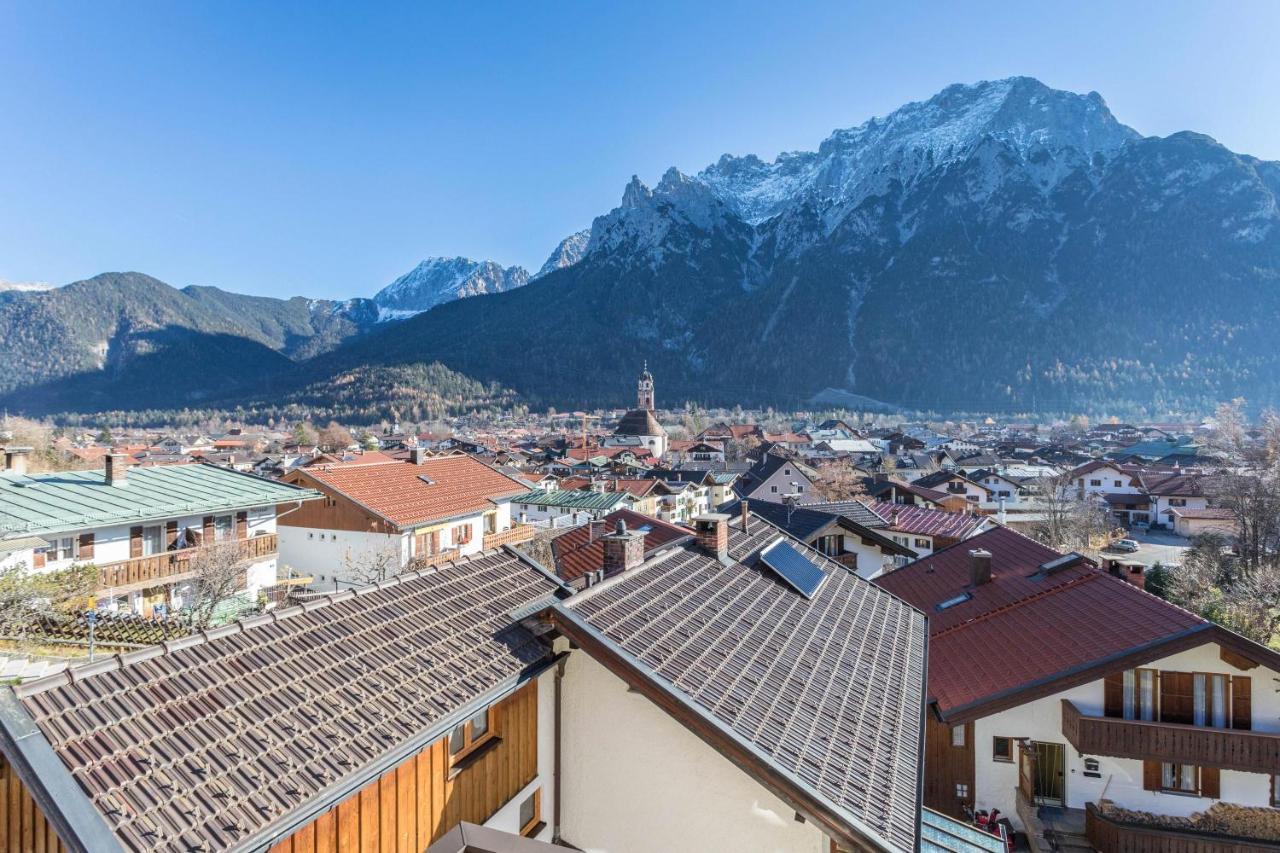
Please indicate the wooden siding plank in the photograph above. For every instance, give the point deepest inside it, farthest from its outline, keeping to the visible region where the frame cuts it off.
(349, 824)
(406, 807)
(369, 818)
(387, 811)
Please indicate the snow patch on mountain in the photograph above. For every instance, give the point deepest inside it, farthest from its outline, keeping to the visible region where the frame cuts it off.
(25, 286)
(439, 280)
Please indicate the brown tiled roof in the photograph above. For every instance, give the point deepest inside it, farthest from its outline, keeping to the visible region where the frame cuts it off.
(925, 521)
(581, 549)
(827, 690)
(1025, 628)
(639, 422)
(203, 743)
(406, 494)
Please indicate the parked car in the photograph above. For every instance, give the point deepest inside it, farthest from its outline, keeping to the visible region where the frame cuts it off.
(1127, 545)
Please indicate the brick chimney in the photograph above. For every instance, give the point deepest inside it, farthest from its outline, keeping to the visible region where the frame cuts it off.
(117, 467)
(712, 531)
(417, 455)
(744, 515)
(623, 549)
(1133, 573)
(15, 459)
(979, 567)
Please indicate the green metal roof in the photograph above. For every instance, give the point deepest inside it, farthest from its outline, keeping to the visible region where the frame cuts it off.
(71, 500)
(573, 499)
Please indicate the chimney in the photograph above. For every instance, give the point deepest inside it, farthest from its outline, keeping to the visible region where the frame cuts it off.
(15, 459)
(1133, 573)
(623, 549)
(417, 455)
(117, 466)
(979, 567)
(744, 515)
(712, 531)
(595, 529)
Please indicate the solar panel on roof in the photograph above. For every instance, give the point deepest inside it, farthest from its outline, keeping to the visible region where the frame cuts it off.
(790, 565)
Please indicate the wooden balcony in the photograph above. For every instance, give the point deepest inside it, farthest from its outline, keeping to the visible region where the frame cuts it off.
(160, 568)
(514, 536)
(1107, 833)
(1228, 749)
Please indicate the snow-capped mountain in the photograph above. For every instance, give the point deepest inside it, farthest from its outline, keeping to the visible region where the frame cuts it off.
(24, 286)
(439, 280)
(1000, 246)
(570, 250)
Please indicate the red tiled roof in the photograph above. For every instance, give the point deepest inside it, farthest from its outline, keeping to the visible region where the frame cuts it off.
(581, 550)
(639, 488)
(1091, 618)
(925, 521)
(406, 494)
(1024, 627)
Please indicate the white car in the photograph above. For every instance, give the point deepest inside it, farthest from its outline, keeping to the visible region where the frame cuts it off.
(1128, 545)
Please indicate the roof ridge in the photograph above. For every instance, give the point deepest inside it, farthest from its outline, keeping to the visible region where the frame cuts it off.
(121, 660)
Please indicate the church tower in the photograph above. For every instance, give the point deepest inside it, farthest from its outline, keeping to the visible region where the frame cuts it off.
(644, 390)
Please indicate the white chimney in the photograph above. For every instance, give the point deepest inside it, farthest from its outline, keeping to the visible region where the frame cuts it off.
(117, 466)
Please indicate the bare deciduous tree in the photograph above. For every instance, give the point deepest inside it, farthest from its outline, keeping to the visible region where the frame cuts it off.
(1068, 521)
(372, 566)
(219, 575)
(838, 480)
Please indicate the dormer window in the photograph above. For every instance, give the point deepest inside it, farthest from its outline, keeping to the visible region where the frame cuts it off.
(954, 600)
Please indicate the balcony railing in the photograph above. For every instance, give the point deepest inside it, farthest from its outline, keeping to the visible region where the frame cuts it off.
(514, 536)
(1107, 833)
(160, 567)
(1229, 749)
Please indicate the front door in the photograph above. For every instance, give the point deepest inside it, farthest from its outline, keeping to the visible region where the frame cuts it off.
(1049, 769)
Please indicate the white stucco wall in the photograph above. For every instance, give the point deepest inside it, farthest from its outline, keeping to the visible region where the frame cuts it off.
(325, 554)
(636, 781)
(1121, 780)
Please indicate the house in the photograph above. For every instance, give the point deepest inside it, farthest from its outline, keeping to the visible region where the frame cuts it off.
(141, 526)
(379, 517)
(680, 688)
(867, 551)
(909, 494)
(561, 507)
(1169, 492)
(774, 477)
(1194, 522)
(579, 553)
(482, 701)
(924, 529)
(955, 484)
(1053, 683)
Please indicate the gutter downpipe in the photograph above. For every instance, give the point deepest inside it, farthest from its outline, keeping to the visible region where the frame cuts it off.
(555, 785)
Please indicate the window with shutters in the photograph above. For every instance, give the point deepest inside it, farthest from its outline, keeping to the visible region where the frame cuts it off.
(223, 528)
(1209, 700)
(152, 540)
(1179, 778)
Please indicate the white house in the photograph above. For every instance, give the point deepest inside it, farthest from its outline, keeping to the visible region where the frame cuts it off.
(1055, 683)
(378, 517)
(141, 526)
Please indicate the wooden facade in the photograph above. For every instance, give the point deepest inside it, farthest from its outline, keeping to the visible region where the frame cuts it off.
(168, 565)
(335, 512)
(949, 770)
(23, 827)
(413, 805)
(1228, 749)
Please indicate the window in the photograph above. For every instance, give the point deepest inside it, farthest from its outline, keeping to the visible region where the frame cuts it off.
(65, 548)
(1275, 790)
(957, 735)
(773, 489)
(922, 543)
(1117, 482)
(531, 813)
(223, 528)
(1177, 501)
(953, 601)
(1002, 749)
(1209, 702)
(786, 472)
(311, 536)
(1179, 778)
(1095, 482)
(1140, 694)
(152, 540)
(468, 736)
(962, 791)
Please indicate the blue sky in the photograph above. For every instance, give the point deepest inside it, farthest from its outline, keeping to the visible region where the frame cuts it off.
(323, 149)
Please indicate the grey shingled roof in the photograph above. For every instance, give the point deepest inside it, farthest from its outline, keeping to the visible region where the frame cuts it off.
(830, 690)
(853, 510)
(71, 500)
(205, 743)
